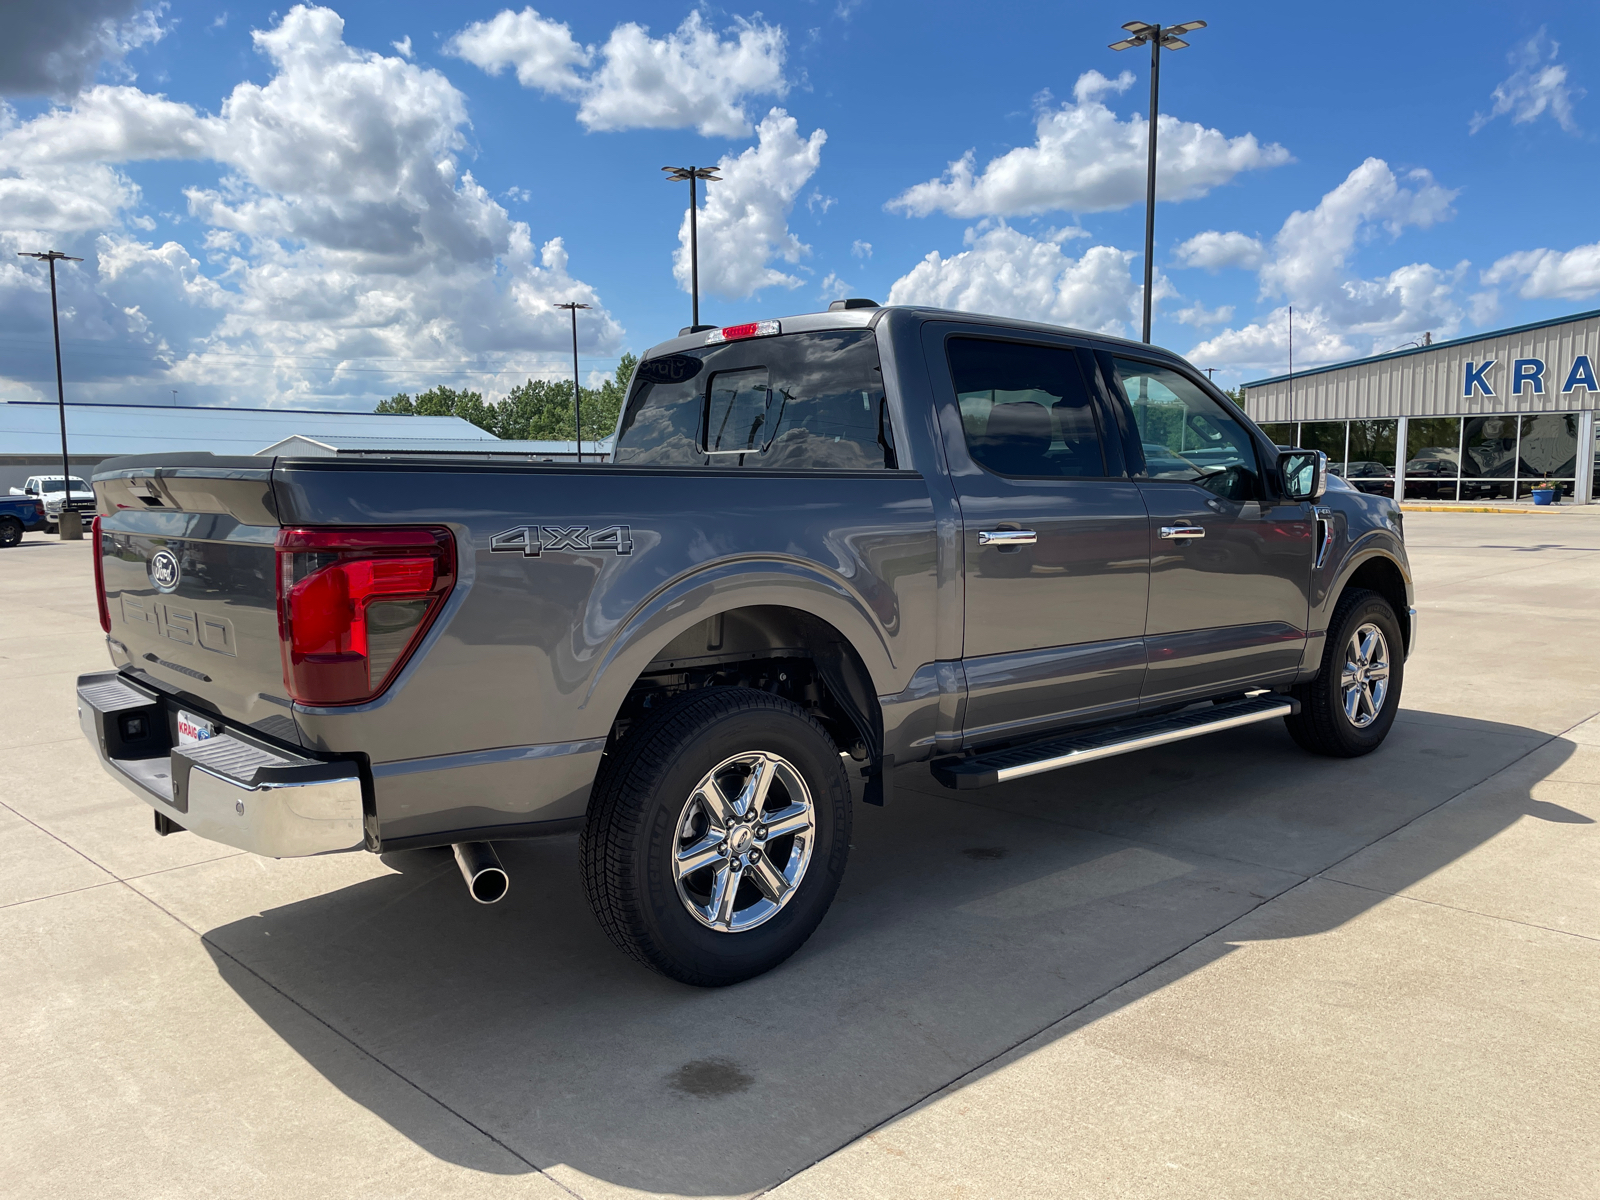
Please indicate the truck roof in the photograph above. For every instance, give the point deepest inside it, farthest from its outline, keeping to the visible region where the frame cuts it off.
(859, 318)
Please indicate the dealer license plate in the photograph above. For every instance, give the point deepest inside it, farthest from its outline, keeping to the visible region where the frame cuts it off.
(192, 729)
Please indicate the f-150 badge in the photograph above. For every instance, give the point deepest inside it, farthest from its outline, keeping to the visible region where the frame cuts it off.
(532, 540)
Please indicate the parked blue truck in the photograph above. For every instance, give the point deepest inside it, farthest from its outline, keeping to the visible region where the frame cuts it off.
(830, 550)
(18, 515)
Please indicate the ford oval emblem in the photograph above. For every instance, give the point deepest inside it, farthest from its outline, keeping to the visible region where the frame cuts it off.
(165, 571)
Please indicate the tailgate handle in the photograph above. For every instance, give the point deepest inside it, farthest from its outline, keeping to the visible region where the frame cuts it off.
(1007, 537)
(1182, 531)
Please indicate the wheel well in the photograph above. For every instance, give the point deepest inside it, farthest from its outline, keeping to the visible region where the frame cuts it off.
(784, 651)
(1381, 575)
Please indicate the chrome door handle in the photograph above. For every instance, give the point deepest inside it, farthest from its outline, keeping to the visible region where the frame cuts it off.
(1182, 531)
(1007, 537)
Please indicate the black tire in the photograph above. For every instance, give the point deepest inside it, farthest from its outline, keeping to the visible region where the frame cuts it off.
(1322, 725)
(640, 799)
(10, 531)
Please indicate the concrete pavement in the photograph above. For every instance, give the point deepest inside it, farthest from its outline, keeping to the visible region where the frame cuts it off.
(1219, 968)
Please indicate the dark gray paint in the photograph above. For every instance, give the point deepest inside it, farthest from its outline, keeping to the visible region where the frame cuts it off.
(497, 720)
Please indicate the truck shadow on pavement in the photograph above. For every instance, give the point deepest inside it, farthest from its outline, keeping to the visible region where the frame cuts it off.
(965, 926)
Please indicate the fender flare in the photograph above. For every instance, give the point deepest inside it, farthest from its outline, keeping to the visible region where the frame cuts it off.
(721, 587)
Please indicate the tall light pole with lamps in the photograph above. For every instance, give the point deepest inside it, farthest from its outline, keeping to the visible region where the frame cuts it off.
(53, 257)
(677, 175)
(1159, 38)
(577, 403)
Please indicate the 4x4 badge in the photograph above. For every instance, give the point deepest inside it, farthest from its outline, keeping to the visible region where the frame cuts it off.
(533, 540)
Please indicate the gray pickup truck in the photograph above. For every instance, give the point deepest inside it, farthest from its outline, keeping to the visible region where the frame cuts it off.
(828, 549)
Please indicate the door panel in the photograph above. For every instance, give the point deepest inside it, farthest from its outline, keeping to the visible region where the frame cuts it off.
(1053, 626)
(1230, 567)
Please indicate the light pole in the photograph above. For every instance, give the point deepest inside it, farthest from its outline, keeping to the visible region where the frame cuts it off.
(52, 257)
(676, 175)
(1159, 39)
(577, 403)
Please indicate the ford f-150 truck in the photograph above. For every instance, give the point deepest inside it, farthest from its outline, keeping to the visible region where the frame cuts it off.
(829, 549)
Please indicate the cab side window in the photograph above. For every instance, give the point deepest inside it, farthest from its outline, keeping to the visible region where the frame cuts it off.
(1025, 409)
(1186, 435)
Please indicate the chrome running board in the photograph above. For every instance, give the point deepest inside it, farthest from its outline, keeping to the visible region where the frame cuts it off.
(1035, 758)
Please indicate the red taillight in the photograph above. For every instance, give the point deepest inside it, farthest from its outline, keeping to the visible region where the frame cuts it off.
(354, 603)
(99, 576)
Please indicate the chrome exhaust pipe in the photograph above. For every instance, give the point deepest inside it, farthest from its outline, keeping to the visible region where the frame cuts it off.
(480, 867)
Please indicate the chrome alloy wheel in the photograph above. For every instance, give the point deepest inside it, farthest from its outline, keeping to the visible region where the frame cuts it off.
(1364, 682)
(744, 841)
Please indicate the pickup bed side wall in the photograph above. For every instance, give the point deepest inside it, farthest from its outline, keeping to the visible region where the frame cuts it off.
(534, 662)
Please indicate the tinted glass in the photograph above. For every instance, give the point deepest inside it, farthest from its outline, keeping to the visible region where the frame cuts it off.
(797, 401)
(1548, 447)
(1373, 441)
(1025, 409)
(1284, 433)
(1327, 436)
(1186, 434)
(1489, 447)
(737, 415)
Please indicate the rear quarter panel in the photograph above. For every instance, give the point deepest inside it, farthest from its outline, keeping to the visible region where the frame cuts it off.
(533, 655)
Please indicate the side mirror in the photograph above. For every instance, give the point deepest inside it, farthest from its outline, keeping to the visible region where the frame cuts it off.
(1304, 474)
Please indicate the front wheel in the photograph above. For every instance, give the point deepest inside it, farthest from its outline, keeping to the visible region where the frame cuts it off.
(1347, 710)
(717, 835)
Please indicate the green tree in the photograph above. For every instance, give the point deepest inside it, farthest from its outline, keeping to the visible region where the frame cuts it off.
(538, 410)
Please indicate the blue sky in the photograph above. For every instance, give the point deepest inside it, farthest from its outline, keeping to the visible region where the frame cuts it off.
(317, 207)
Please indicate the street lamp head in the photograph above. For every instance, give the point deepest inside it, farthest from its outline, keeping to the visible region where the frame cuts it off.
(1186, 27)
(47, 255)
(574, 305)
(677, 174)
(1128, 43)
(1172, 43)
(1141, 28)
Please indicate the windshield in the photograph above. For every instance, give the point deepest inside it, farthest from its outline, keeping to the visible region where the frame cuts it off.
(54, 485)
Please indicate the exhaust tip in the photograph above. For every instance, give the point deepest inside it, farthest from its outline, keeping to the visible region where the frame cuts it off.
(486, 878)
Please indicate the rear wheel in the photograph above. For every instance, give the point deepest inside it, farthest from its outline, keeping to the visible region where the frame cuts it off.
(717, 836)
(10, 531)
(1347, 710)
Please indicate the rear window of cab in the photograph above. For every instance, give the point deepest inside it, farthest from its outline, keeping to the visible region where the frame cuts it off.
(797, 401)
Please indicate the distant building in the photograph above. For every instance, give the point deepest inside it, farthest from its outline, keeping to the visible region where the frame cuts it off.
(1481, 417)
(30, 435)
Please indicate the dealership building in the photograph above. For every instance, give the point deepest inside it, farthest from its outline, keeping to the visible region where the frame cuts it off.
(1478, 418)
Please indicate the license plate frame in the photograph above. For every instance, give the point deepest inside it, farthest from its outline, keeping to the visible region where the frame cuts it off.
(193, 729)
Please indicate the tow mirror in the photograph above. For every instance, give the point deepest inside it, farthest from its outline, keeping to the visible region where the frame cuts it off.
(1304, 473)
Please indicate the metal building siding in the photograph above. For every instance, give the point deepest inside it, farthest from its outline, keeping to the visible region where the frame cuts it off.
(1428, 383)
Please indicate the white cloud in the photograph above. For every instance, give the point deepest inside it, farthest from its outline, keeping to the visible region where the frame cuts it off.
(861, 249)
(818, 203)
(1086, 160)
(544, 52)
(743, 225)
(1215, 251)
(403, 47)
(1007, 273)
(1549, 274)
(1200, 316)
(692, 78)
(343, 230)
(1338, 313)
(54, 47)
(833, 288)
(1538, 85)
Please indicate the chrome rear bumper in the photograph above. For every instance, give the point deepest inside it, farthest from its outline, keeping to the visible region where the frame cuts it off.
(232, 788)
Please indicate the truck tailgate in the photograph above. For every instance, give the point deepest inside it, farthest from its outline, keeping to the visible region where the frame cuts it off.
(188, 563)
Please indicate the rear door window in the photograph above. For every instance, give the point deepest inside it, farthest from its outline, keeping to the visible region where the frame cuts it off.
(799, 401)
(1025, 409)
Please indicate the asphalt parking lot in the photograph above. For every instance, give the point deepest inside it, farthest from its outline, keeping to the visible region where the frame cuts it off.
(1218, 969)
